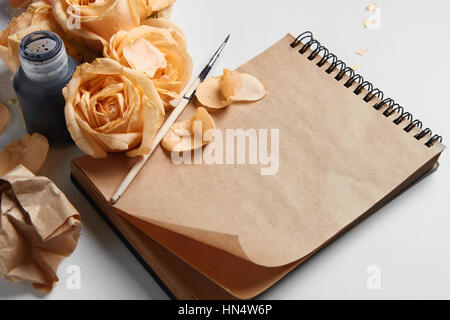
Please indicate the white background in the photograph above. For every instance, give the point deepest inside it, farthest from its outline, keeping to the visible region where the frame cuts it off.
(408, 239)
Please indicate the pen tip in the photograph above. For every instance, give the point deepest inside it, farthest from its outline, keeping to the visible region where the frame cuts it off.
(226, 39)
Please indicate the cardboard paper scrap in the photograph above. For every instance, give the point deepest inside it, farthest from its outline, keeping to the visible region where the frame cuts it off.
(38, 228)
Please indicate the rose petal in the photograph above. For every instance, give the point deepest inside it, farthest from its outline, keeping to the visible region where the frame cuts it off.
(162, 23)
(369, 22)
(356, 67)
(247, 87)
(209, 93)
(190, 134)
(361, 52)
(31, 152)
(148, 7)
(164, 13)
(228, 85)
(219, 92)
(160, 4)
(144, 56)
(372, 7)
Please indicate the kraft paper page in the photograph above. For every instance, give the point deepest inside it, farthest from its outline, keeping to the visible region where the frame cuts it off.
(338, 158)
(241, 278)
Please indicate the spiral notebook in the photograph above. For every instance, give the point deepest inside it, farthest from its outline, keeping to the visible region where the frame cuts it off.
(227, 230)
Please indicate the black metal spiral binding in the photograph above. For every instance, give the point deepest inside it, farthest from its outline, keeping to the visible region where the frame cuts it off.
(387, 105)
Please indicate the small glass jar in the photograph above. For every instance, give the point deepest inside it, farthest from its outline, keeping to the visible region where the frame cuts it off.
(45, 70)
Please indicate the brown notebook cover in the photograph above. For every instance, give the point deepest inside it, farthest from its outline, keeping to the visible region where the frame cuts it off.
(343, 149)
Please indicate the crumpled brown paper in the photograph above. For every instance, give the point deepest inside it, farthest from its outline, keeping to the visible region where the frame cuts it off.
(38, 228)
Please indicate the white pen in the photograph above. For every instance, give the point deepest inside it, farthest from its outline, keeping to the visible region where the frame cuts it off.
(187, 97)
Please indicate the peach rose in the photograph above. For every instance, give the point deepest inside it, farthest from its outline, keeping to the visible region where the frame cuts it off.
(162, 8)
(157, 51)
(111, 108)
(95, 21)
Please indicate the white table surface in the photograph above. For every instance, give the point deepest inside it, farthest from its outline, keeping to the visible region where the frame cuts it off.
(408, 239)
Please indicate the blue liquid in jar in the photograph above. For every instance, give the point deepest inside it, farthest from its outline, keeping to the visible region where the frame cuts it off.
(45, 70)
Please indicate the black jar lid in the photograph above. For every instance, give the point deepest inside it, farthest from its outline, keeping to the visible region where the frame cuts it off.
(40, 46)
